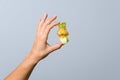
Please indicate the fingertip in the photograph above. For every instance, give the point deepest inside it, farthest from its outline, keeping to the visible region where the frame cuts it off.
(58, 23)
(45, 17)
(57, 46)
(54, 17)
(55, 24)
(45, 14)
(60, 44)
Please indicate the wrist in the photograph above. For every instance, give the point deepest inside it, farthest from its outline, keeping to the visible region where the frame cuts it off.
(32, 59)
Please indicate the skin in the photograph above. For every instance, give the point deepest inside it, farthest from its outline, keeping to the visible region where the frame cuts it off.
(40, 49)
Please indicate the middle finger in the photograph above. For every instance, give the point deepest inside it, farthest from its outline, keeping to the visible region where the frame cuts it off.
(51, 20)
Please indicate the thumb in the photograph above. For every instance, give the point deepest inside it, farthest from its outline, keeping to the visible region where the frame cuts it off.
(56, 46)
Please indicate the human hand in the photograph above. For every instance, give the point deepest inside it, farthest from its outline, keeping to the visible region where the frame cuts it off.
(40, 47)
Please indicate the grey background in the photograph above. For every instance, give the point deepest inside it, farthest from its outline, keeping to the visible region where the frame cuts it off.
(93, 52)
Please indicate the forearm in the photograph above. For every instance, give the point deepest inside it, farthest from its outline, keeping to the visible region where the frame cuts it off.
(40, 50)
(23, 71)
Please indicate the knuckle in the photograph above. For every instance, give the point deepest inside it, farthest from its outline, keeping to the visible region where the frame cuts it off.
(47, 22)
(49, 27)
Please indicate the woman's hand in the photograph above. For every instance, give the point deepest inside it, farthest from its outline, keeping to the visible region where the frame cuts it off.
(39, 50)
(40, 47)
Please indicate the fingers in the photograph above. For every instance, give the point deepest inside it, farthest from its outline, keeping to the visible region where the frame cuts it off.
(41, 21)
(55, 47)
(44, 18)
(49, 23)
(51, 20)
(45, 26)
(51, 26)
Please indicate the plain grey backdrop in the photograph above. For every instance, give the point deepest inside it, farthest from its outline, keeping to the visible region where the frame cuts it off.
(93, 52)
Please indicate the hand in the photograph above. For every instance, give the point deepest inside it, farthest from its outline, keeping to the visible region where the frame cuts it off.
(40, 47)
